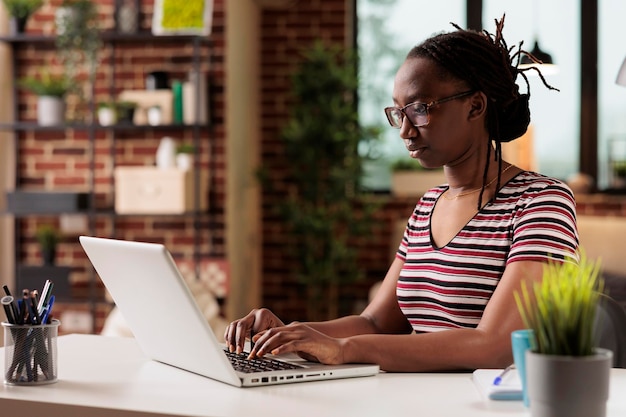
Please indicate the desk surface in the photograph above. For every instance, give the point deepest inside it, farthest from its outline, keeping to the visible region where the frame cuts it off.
(107, 376)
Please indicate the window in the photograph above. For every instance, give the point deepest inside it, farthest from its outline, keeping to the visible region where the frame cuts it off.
(611, 97)
(387, 30)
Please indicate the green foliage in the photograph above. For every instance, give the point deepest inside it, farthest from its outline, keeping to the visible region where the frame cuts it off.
(324, 209)
(22, 8)
(619, 169)
(78, 43)
(47, 236)
(561, 308)
(46, 84)
(186, 147)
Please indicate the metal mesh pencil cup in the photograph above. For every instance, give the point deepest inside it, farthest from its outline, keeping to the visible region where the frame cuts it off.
(30, 353)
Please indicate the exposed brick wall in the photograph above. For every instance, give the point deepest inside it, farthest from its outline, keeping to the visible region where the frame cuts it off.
(61, 161)
(285, 33)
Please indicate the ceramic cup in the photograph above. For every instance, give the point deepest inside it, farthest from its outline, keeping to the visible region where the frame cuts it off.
(521, 341)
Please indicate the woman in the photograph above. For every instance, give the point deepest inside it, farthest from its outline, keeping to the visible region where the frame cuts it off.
(447, 300)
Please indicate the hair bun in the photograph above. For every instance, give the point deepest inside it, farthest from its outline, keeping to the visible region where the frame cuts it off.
(513, 119)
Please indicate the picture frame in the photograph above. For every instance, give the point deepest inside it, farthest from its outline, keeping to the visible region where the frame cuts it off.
(191, 17)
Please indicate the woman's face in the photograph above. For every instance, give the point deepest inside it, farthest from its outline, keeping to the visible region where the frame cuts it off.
(451, 134)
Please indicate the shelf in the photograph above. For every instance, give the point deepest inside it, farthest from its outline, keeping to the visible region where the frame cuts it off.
(121, 127)
(34, 277)
(107, 36)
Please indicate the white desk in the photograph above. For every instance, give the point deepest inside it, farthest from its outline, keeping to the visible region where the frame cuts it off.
(103, 376)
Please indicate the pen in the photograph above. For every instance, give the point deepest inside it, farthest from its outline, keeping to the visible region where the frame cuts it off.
(44, 296)
(47, 309)
(7, 301)
(506, 370)
(14, 308)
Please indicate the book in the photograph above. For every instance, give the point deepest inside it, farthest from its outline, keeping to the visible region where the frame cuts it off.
(509, 389)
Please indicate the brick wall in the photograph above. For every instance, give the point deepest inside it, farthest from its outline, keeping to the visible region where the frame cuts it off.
(285, 33)
(59, 161)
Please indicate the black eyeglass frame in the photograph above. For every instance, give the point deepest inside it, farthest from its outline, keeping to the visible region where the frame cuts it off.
(425, 109)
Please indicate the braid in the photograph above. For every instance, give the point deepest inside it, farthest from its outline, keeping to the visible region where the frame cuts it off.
(486, 63)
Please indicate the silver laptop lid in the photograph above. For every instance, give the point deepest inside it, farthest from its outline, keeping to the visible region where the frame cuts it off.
(152, 296)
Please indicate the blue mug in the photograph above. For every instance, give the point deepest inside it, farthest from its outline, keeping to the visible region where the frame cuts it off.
(521, 341)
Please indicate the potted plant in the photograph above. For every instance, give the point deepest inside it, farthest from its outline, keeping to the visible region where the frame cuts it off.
(619, 174)
(184, 156)
(410, 179)
(566, 374)
(126, 111)
(78, 43)
(20, 11)
(324, 209)
(51, 91)
(48, 237)
(107, 113)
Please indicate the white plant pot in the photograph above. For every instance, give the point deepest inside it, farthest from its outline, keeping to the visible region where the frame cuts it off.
(154, 116)
(184, 161)
(107, 116)
(568, 386)
(50, 111)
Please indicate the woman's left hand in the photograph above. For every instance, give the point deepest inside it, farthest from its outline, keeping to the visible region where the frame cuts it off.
(301, 339)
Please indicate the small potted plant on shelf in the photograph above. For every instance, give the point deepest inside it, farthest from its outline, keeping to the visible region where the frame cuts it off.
(48, 237)
(184, 156)
(619, 174)
(126, 111)
(566, 374)
(107, 113)
(20, 11)
(51, 90)
(410, 179)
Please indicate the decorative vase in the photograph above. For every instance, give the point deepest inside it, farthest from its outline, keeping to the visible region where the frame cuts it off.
(184, 161)
(154, 116)
(17, 25)
(127, 16)
(568, 386)
(50, 110)
(166, 153)
(49, 256)
(107, 116)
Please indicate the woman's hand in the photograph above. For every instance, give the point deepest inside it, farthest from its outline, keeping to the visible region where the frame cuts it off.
(256, 321)
(301, 339)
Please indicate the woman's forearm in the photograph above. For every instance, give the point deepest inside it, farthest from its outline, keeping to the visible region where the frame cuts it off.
(345, 326)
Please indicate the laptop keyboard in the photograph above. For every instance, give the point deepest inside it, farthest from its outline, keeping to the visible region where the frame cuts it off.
(241, 363)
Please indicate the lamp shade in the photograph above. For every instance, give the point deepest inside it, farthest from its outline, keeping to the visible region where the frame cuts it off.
(543, 56)
(621, 75)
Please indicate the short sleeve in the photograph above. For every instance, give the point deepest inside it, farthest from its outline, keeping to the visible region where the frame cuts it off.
(545, 226)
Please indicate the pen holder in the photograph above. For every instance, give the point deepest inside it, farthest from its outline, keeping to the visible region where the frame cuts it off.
(30, 353)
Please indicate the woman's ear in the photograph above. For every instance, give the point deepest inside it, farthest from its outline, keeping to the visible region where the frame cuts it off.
(478, 105)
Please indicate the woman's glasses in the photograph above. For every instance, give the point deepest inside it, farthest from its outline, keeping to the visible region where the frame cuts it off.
(417, 112)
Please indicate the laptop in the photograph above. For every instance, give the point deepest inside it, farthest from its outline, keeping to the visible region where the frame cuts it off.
(151, 294)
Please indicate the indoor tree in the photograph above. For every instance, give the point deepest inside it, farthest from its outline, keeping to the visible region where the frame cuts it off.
(325, 210)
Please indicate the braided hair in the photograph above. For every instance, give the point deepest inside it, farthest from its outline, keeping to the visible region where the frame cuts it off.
(487, 64)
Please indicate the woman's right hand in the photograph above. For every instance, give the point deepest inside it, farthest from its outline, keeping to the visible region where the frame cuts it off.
(254, 322)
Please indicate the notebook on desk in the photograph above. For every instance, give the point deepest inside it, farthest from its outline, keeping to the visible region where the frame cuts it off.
(509, 389)
(151, 294)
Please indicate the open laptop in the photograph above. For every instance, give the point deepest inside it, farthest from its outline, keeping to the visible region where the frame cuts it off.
(160, 310)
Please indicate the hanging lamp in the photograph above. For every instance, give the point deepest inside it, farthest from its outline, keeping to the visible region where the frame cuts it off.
(621, 75)
(547, 65)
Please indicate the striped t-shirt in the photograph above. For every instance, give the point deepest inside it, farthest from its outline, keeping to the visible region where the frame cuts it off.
(531, 218)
